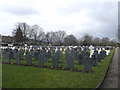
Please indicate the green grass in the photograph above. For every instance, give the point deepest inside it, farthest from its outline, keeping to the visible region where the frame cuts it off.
(14, 76)
(0, 75)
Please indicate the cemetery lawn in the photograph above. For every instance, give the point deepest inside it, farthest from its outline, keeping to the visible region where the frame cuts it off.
(0, 75)
(14, 76)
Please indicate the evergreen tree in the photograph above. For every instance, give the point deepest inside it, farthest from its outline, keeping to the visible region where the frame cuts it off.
(18, 35)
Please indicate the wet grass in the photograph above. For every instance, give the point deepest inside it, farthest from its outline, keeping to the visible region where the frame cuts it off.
(14, 76)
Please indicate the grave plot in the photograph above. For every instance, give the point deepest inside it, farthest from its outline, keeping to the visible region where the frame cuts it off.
(76, 59)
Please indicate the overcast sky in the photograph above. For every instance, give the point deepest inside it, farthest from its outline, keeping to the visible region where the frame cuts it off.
(95, 17)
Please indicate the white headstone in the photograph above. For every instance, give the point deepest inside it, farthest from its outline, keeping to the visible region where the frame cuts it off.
(10, 44)
(107, 52)
(91, 50)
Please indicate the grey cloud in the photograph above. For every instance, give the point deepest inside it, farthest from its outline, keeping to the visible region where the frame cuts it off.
(104, 13)
(108, 16)
(78, 6)
(20, 10)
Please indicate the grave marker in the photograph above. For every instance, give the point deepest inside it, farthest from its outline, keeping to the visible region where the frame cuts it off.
(41, 60)
(55, 60)
(87, 62)
(28, 58)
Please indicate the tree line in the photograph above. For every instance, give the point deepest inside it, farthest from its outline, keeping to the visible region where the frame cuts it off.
(35, 35)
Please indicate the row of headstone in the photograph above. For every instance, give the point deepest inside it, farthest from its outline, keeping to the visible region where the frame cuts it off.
(43, 55)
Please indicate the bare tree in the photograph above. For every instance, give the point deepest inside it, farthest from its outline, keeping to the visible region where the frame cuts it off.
(41, 36)
(47, 39)
(36, 33)
(55, 38)
(60, 35)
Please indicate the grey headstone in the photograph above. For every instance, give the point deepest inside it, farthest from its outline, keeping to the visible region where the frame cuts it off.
(46, 55)
(80, 59)
(66, 54)
(55, 60)
(28, 59)
(15, 51)
(58, 54)
(76, 55)
(73, 53)
(49, 54)
(87, 62)
(18, 57)
(21, 53)
(69, 61)
(3, 53)
(99, 57)
(41, 60)
(102, 54)
(95, 58)
(35, 54)
(96, 54)
(7, 56)
(11, 54)
(85, 48)
(83, 54)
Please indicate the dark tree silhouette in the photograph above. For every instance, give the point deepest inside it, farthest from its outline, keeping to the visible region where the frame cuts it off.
(87, 39)
(70, 40)
(18, 36)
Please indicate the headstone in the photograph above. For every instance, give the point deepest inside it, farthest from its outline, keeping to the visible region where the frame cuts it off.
(82, 54)
(66, 54)
(49, 54)
(80, 59)
(28, 59)
(99, 57)
(55, 60)
(35, 54)
(69, 61)
(91, 50)
(102, 54)
(7, 56)
(72, 52)
(18, 57)
(15, 52)
(3, 53)
(58, 54)
(84, 49)
(87, 62)
(11, 54)
(95, 58)
(41, 60)
(46, 56)
(76, 55)
(21, 53)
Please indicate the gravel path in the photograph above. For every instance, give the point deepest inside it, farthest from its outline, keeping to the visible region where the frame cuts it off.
(111, 80)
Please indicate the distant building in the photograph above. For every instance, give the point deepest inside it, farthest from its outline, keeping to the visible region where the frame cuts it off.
(11, 40)
(6, 39)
